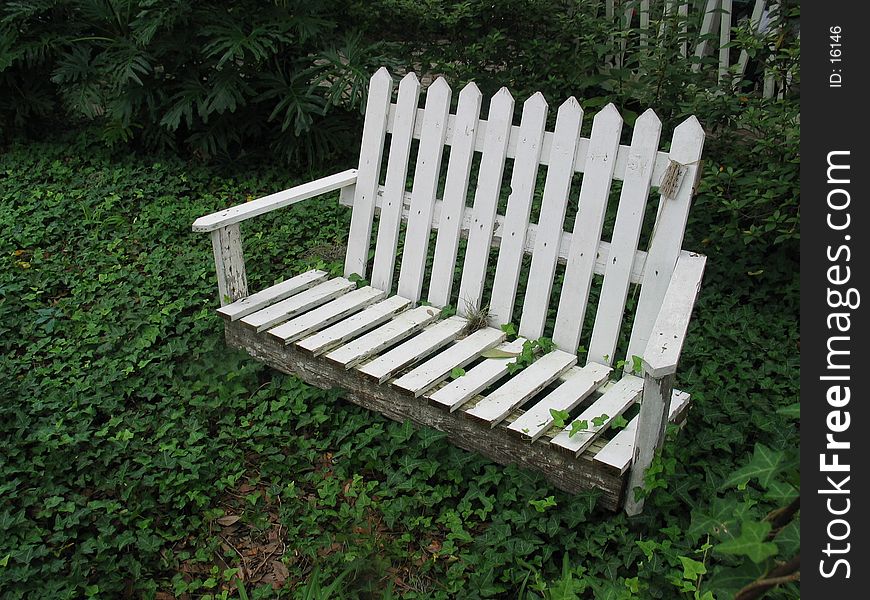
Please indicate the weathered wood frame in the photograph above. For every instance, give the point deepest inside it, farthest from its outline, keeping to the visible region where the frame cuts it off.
(669, 278)
(567, 473)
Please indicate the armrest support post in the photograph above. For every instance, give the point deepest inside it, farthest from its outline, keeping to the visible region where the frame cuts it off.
(229, 262)
(652, 421)
(660, 364)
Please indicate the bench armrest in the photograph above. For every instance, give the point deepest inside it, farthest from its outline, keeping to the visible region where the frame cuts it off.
(669, 332)
(241, 212)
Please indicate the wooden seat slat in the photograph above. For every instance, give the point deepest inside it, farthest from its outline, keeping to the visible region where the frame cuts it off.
(533, 423)
(326, 315)
(355, 325)
(424, 376)
(295, 305)
(618, 452)
(613, 402)
(392, 332)
(413, 350)
(522, 386)
(275, 293)
(461, 390)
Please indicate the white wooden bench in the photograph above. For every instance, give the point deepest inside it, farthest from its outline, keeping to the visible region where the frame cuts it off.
(395, 354)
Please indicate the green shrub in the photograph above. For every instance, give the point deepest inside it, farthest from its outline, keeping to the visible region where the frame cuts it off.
(212, 78)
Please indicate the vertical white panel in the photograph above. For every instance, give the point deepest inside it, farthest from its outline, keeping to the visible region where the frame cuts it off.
(724, 39)
(371, 152)
(603, 145)
(644, 23)
(549, 229)
(455, 191)
(707, 25)
(424, 189)
(498, 128)
(626, 232)
(683, 11)
(394, 186)
(519, 207)
(754, 22)
(686, 147)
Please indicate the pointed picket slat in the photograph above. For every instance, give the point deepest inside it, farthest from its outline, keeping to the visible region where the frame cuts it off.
(613, 402)
(498, 128)
(425, 187)
(369, 172)
(724, 39)
(519, 207)
(279, 291)
(298, 304)
(455, 192)
(707, 25)
(405, 324)
(754, 22)
(459, 391)
(533, 423)
(528, 382)
(626, 233)
(549, 232)
(588, 224)
(349, 328)
(394, 185)
(618, 453)
(326, 315)
(417, 348)
(686, 146)
(438, 368)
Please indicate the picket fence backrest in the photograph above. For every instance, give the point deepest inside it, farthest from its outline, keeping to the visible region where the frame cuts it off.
(461, 199)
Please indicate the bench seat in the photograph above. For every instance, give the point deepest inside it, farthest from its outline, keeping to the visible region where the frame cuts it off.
(368, 339)
(534, 251)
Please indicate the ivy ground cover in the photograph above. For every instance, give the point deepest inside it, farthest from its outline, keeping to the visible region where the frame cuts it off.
(142, 458)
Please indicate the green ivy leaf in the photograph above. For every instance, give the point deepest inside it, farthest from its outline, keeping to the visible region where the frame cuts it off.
(618, 422)
(600, 420)
(763, 467)
(792, 411)
(559, 417)
(751, 542)
(543, 504)
(692, 569)
(636, 364)
(457, 372)
(788, 540)
(577, 426)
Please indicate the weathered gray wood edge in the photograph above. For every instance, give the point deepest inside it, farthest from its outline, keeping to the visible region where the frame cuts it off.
(570, 474)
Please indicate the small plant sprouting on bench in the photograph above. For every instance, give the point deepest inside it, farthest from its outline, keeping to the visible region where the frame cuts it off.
(477, 318)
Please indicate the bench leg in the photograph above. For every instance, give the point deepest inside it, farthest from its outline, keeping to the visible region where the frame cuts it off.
(652, 421)
(229, 262)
